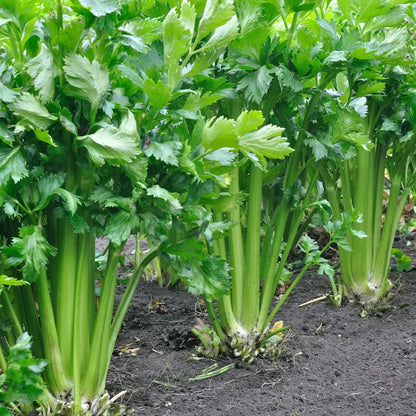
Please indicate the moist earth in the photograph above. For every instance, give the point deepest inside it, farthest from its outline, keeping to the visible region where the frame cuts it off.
(340, 362)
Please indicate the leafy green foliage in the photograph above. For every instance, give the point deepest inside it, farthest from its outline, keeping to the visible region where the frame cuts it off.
(403, 262)
(10, 281)
(110, 145)
(209, 276)
(87, 80)
(31, 250)
(32, 111)
(21, 383)
(244, 135)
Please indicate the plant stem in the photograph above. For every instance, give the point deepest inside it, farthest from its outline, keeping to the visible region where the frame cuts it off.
(294, 283)
(394, 209)
(11, 312)
(81, 329)
(236, 249)
(91, 382)
(55, 371)
(65, 291)
(122, 310)
(216, 325)
(26, 308)
(251, 288)
(3, 362)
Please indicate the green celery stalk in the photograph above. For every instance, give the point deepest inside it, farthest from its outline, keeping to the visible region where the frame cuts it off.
(81, 329)
(251, 288)
(236, 249)
(3, 362)
(56, 375)
(65, 291)
(91, 381)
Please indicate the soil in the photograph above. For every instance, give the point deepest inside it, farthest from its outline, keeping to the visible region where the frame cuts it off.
(341, 363)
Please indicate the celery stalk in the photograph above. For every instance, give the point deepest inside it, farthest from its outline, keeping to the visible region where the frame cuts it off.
(251, 288)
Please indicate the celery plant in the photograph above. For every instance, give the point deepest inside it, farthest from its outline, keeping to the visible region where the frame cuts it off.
(266, 203)
(372, 116)
(88, 149)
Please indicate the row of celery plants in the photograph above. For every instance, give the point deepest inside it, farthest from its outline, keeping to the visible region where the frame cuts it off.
(109, 131)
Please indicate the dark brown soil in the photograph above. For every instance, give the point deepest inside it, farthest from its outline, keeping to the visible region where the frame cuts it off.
(343, 364)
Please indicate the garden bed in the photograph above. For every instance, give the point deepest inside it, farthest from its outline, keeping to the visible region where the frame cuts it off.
(342, 363)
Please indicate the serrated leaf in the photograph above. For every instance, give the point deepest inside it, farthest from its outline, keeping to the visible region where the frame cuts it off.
(12, 165)
(219, 133)
(209, 277)
(266, 142)
(343, 86)
(319, 150)
(189, 249)
(288, 79)
(390, 125)
(70, 201)
(137, 171)
(393, 17)
(223, 35)
(176, 42)
(159, 93)
(30, 109)
(369, 9)
(336, 56)
(195, 102)
(326, 268)
(128, 124)
(47, 185)
(248, 121)
(216, 273)
(215, 15)
(157, 192)
(31, 250)
(110, 145)
(6, 136)
(369, 88)
(24, 384)
(11, 281)
(188, 16)
(87, 80)
(6, 94)
(204, 60)
(42, 69)
(167, 152)
(403, 262)
(147, 29)
(121, 225)
(134, 42)
(330, 28)
(44, 136)
(256, 84)
(100, 7)
(223, 156)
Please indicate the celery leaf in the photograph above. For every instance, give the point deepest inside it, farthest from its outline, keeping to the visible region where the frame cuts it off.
(87, 80)
(110, 145)
(32, 111)
(41, 68)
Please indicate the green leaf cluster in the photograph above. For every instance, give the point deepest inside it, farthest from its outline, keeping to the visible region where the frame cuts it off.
(21, 383)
